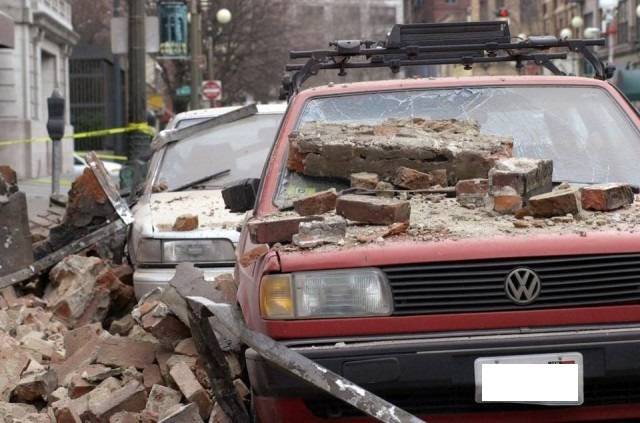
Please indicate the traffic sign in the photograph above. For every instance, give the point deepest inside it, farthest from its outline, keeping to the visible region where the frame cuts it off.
(212, 90)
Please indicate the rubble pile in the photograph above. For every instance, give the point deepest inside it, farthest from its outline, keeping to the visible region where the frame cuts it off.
(404, 174)
(400, 151)
(81, 351)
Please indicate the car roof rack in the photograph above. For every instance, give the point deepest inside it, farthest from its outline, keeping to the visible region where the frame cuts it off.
(466, 44)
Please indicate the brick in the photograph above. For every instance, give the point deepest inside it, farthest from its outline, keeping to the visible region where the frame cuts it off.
(186, 347)
(183, 414)
(151, 376)
(82, 357)
(506, 201)
(528, 177)
(14, 361)
(218, 415)
(96, 373)
(473, 192)
(124, 272)
(167, 329)
(35, 341)
(78, 386)
(253, 255)
(186, 222)
(331, 230)
(556, 203)
(606, 197)
(35, 386)
(225, 289)
(78, 338)
(8, 180)
(373, 210)
(318, 203)
(11, 411)
(162, 399)
(191, 388)
(126, 352)
(383, 189)
(273, 230)
(131, 397)
(412, 179)
(364, 180)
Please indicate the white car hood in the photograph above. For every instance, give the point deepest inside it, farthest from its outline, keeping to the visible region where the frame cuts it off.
(157, 213)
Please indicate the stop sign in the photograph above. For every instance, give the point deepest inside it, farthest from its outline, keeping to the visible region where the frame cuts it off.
(212, 90)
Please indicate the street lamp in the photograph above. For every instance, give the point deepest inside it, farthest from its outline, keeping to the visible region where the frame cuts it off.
(609, 7)
(638, 11)
(55, 128)
(565, 33)
(223, 16)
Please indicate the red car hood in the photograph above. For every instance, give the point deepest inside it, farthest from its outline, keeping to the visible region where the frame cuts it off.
(412, 251)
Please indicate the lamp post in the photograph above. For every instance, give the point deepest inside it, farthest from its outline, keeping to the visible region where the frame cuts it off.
(609, 7)
(223, 16)
(55, 128)
(195, 42)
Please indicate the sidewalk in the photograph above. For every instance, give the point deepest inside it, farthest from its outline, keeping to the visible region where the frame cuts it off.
(38, 192)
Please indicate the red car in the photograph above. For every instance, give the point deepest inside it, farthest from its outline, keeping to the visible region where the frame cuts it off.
(437, 307)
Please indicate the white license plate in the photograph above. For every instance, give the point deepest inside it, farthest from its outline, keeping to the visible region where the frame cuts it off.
(549, 379)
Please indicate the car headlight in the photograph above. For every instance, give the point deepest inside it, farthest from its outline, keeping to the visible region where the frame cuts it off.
(185, 250)
(325, 294)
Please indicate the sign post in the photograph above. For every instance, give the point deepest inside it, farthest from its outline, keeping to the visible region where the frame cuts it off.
(212, 91)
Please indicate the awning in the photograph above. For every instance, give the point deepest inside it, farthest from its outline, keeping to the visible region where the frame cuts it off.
(7, 38)
(628, 81)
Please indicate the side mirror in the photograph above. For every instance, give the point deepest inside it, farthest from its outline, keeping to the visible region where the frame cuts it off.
(240, 196)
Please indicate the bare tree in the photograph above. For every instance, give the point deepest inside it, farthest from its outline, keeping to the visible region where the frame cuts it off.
(92, 20)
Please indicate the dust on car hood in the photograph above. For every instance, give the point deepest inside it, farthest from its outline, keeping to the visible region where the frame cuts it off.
(208, 205)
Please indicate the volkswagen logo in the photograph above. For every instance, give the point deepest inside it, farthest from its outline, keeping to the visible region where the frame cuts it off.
(522, 286)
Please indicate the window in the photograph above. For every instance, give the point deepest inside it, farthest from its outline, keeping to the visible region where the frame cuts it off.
(450, 1)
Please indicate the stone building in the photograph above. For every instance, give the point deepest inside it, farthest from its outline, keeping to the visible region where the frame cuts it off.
(38, 63)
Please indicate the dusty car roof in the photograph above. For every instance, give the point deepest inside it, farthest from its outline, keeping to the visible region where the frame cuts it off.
(217, 111)
(415, 83)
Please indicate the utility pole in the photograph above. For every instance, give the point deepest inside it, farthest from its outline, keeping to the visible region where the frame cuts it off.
(119, 146)
(138, 141)
(195, 42)
(210, 64)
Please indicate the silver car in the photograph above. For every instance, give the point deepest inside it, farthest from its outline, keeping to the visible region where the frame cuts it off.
(190, 165)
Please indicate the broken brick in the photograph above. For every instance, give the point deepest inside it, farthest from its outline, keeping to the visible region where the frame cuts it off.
(122, 326)
(506, 201)
(318, 203)
(191, 388)
(253, 255)
(168, 329)
(373, 210)
(412, 179)
(186, 347)
(528, 177)
(473, 192)
(183, 414)
(186, 222)
(273, 230)
(556, 203)
(225, 289)
(606, 197)
(151, 376)
(364, 180)
(331, 230)
(79, 386)
(125, 352)
(396, 229)
(35, 386)
(131, 397)
(14, 362)
(162, 399)
(385, 189)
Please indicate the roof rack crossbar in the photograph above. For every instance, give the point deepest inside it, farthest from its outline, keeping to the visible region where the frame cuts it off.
(440, 44)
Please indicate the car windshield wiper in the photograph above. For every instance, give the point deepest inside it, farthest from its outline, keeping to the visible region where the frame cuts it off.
(205, 179)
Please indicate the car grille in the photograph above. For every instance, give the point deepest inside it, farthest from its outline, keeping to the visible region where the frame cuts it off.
(477, 286)
(462, 399)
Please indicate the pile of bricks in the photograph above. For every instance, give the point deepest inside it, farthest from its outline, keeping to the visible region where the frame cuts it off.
(80, 351)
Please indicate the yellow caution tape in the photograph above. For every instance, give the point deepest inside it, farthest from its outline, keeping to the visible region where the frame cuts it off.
(104, 156)
(132, 127)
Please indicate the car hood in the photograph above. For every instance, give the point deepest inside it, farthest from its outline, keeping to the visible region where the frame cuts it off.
(156, 213)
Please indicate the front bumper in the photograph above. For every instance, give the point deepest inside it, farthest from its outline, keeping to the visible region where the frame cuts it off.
(434, 374)
(147, 279)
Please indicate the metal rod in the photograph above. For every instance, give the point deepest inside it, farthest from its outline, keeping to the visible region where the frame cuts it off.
(195, 42)
(539, 45)
(56, 166)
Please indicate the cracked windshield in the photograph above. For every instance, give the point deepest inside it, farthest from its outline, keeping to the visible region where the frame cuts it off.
(584, 132)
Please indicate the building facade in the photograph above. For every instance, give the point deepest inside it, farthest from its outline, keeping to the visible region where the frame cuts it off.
(425, 11)
(38, 63)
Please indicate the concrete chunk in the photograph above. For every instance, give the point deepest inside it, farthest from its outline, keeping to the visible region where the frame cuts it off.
(373, 210)
(162, 399)
(606, 197)
(331, 230)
